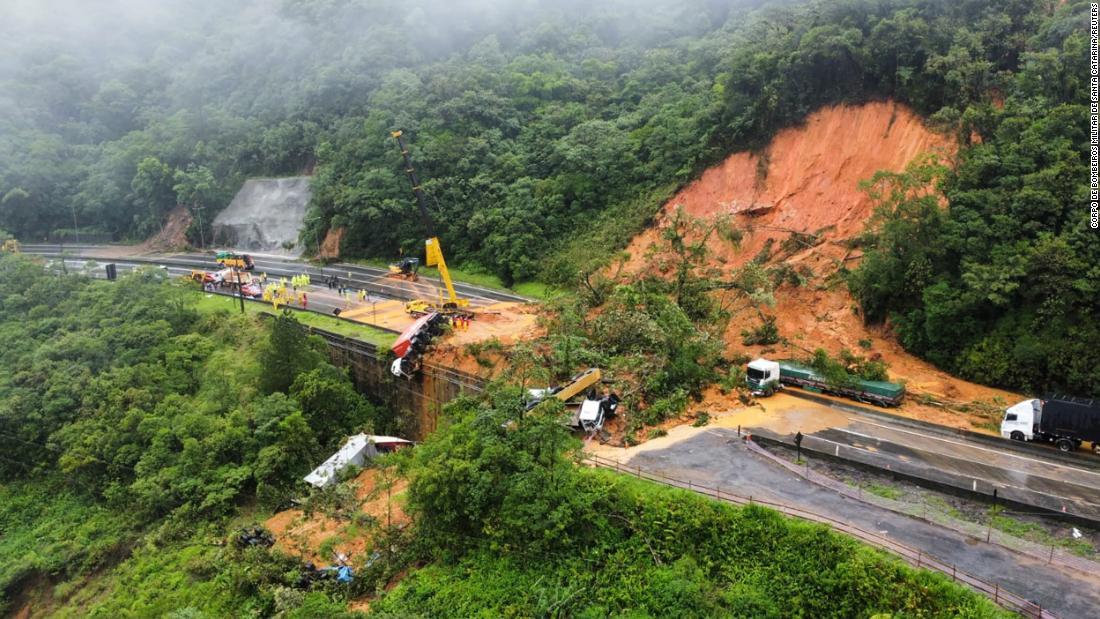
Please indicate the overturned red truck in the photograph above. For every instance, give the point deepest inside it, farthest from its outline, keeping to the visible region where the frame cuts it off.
(413, 341)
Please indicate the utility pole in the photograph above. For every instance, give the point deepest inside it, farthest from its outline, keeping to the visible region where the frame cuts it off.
(240, 289)
(202, 233)
(76, 228)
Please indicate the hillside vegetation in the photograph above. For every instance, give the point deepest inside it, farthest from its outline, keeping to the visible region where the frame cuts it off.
(139, 434)
(129, 419)
(549, 136)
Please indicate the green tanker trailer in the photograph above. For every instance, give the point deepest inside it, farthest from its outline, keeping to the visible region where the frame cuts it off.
(765, 377)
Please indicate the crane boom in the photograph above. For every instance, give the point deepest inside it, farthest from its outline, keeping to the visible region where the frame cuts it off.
(425, 217)
(432, 250)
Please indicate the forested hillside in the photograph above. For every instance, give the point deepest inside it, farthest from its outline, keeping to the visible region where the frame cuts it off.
(138, 434)
(188, 98)
(548, 135)
(129, 418)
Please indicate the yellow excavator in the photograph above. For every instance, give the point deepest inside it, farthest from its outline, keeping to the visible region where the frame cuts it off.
(452, 303)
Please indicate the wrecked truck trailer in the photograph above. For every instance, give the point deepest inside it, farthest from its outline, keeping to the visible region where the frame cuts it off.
(356, 451)
(413, 342)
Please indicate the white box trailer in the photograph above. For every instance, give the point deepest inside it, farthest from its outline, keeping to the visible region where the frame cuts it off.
(356, 451)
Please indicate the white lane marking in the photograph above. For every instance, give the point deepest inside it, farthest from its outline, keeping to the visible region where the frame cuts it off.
(961, 444)
(1063, 499)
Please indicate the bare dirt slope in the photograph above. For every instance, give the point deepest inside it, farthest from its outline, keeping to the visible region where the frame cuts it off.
(808, 181)
(330, 247)
(172, 237)
(304, 535)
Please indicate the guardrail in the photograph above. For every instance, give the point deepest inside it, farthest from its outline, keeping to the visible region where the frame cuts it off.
(913, 556)
(1046, 554)
(1064, 507)
(1046, 452)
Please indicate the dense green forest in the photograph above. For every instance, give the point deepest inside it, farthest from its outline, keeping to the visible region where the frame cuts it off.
(138, 434)
(549, 135)
(139, 430)
(127, 416)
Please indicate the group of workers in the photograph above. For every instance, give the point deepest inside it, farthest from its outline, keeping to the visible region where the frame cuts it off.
(277, 294)
(299, 281)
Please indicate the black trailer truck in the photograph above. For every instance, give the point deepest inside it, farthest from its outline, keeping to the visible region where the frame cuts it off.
(1063, 420)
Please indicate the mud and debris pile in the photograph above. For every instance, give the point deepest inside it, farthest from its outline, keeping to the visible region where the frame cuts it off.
(799, 205)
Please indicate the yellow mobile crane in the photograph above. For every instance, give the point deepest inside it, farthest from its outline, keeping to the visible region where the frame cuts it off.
(433, 252)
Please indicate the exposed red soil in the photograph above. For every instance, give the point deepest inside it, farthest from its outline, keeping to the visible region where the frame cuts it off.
(506, 322)
(808, 181)
(172, 237)
(330, 247)
(303, 536)
(455, 357)
(474, 349)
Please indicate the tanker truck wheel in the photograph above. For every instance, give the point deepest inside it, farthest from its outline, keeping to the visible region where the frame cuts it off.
(1064, 444)
(1017, 436)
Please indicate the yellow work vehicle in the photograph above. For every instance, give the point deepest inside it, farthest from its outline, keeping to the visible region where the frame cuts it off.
(10, 246)
(450, 304)
(234, 260)
(576, 385)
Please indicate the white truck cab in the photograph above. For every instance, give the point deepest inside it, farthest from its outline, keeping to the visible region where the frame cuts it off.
(1020, 420)
(591, 417)
(762, 376)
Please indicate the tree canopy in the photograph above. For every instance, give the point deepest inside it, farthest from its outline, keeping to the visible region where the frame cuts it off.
(125, 405)
(546, 136)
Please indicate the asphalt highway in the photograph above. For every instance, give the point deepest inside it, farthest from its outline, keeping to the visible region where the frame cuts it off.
(717, 457)
(369, 278)
(320, 299)
(945, 458)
